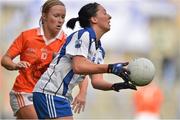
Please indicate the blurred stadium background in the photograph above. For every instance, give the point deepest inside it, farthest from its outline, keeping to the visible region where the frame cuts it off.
(139, 28)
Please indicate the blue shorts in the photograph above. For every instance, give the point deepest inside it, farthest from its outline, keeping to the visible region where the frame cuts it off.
(49, 106)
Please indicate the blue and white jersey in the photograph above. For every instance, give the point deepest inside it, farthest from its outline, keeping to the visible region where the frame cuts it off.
(59, 79)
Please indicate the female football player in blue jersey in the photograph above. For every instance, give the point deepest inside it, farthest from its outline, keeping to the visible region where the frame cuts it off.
(81, 55)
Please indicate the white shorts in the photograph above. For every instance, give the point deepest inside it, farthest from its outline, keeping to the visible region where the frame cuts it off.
(19, 100)
(147, 116)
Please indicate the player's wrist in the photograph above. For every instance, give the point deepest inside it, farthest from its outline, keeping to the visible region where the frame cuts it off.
(14, 66)
(115, 87)
(110, 67)
(123, 85)
(112, 87)
(115, 68)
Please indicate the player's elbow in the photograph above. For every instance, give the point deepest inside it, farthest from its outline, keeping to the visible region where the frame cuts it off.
(76, 70)
(79, 69)
(3, 61)
(95, 86)
(98, 87)
(6, 62)
(76, 67)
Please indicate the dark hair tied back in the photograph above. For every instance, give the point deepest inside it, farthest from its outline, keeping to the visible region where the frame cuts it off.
(86, 12)
(71, 23)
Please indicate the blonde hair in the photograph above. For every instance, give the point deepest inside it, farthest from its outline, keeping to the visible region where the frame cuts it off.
(50, 3)
(47, 5)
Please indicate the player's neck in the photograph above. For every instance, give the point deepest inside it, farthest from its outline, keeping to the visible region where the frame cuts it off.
(99, 33)
(49, 35)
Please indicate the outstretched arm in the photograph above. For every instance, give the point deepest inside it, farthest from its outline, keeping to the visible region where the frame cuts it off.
(99, 83)
(81, 65)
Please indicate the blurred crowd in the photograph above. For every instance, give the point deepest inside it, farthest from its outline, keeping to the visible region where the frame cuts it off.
(148, 28)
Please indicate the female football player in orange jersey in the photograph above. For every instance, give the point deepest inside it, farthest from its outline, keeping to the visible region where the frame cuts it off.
(148, 101)
(36, 48)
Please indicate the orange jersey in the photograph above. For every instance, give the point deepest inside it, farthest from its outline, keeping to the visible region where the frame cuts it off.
(148, 99)
(32, 48)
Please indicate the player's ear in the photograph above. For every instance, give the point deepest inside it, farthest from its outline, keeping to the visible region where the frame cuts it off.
(93, 19)
(43, 16)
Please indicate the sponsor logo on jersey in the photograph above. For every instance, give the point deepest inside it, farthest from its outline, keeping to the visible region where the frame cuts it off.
(78, 43)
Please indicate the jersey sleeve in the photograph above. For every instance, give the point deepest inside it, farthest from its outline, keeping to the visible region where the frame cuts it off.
(16, 47)
(79, 46)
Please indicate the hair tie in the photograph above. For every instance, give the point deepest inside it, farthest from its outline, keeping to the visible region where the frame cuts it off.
(77, 19)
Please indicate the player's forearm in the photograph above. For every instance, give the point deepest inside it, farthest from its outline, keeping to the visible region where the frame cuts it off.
(82, 65)
(91, 69)
(99, 83)
(104, 86)
(83, 86)
(7, 62)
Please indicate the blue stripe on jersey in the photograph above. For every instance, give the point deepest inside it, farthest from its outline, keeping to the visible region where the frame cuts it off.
(103, 52)
(92, 35)
(66, 81)
(62, 52)
(63, 49)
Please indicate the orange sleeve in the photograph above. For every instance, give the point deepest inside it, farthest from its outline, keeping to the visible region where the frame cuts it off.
(16, 47)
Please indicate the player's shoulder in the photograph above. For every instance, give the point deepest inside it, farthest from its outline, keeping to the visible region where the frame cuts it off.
(83, 32)
(78, 34)
(87, 32)
(30, 32)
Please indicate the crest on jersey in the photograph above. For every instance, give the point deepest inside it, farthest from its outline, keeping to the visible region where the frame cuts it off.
(78, 43)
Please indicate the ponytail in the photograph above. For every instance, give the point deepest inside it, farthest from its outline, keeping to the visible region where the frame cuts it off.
(84, 15)
(71, 23)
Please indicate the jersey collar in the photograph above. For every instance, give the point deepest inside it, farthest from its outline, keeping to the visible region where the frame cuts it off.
(41, 33)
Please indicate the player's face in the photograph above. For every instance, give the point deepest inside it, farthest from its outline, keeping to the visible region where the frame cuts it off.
(103, 19)
(55, 18)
